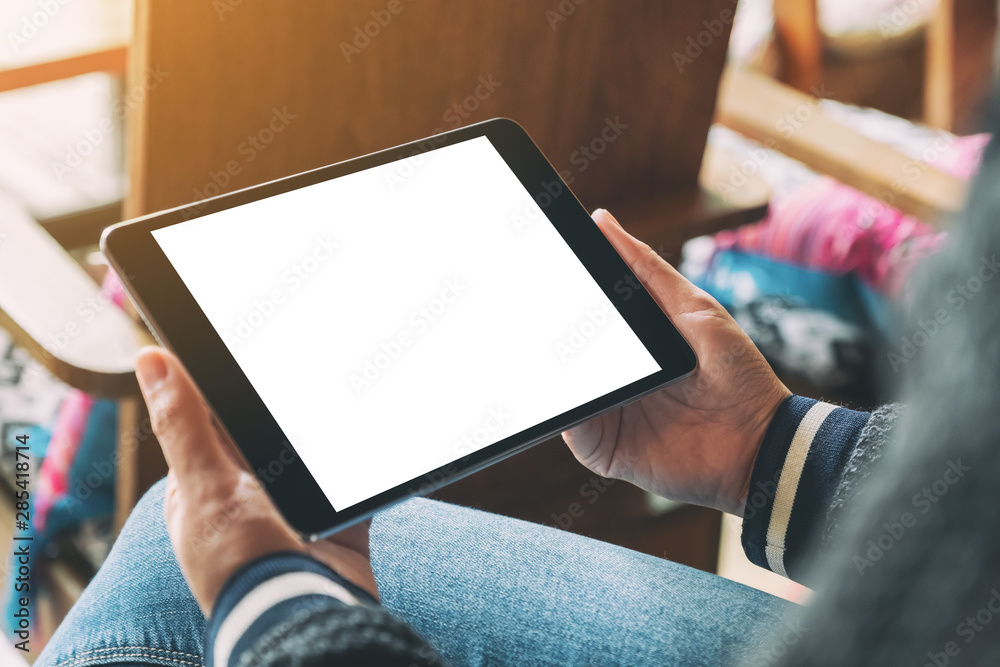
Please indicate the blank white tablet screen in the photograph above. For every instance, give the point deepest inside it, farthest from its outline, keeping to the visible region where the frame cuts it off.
(398, 318)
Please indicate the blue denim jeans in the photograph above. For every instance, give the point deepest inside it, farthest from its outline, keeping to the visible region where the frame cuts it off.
(484, 589)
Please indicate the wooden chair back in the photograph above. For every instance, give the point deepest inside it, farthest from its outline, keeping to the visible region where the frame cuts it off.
(233, 93)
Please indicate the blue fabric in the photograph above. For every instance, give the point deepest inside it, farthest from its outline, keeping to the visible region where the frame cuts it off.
(727, 275)
(91, 482)
(90, 494)
(38, 439)
(825, 328)
(482, 588)
(879, 309)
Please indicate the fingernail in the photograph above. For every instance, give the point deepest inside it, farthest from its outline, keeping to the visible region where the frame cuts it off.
(151, 371)
(607, 213)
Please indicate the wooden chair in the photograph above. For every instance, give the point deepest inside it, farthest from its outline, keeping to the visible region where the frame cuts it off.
(938, 70)
(760, 108)
(50, 304)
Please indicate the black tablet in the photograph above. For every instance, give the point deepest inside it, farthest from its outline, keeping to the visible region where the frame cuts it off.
(374, 329)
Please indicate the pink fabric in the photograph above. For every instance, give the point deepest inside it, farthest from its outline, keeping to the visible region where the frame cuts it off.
(832, 227)
(68, 432)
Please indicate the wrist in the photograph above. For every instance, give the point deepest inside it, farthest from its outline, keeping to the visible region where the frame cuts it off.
(350, 563)
(755, 435)
(211, 562)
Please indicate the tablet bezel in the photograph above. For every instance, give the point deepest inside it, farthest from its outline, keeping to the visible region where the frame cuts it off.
(179, 324)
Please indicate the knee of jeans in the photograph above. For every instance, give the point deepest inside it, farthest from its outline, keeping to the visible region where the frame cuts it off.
(417, 519)
(149, 510)
(395, 518)
(400, 512)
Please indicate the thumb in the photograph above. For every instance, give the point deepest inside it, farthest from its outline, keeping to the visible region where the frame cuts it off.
(181, 421)
(674, 293)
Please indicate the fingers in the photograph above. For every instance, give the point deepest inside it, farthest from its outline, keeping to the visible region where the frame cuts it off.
(181, 421)
(675, 294)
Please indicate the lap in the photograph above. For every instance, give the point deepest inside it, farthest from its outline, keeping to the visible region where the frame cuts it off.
(490, 590)
(484, 589)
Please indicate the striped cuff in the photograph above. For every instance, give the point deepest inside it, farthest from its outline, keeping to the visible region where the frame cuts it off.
(268, 591)
(800, 463)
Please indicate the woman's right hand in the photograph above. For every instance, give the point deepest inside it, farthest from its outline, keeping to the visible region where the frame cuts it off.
(218, 516)
(695, 441)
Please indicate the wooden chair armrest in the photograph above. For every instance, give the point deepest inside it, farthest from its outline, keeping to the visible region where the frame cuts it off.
(667, 219)
(794, 123)
(55, 310)
(111, 59)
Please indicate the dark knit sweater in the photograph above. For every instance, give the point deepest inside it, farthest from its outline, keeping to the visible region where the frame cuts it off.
(927, 593)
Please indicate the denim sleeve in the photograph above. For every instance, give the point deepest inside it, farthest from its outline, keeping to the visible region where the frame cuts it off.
(800, 466)
(269, 591)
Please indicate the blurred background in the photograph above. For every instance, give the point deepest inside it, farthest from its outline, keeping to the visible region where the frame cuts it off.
(796, 158)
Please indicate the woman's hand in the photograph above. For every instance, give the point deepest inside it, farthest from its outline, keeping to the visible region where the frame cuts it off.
(217, 514)
(695, 441)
